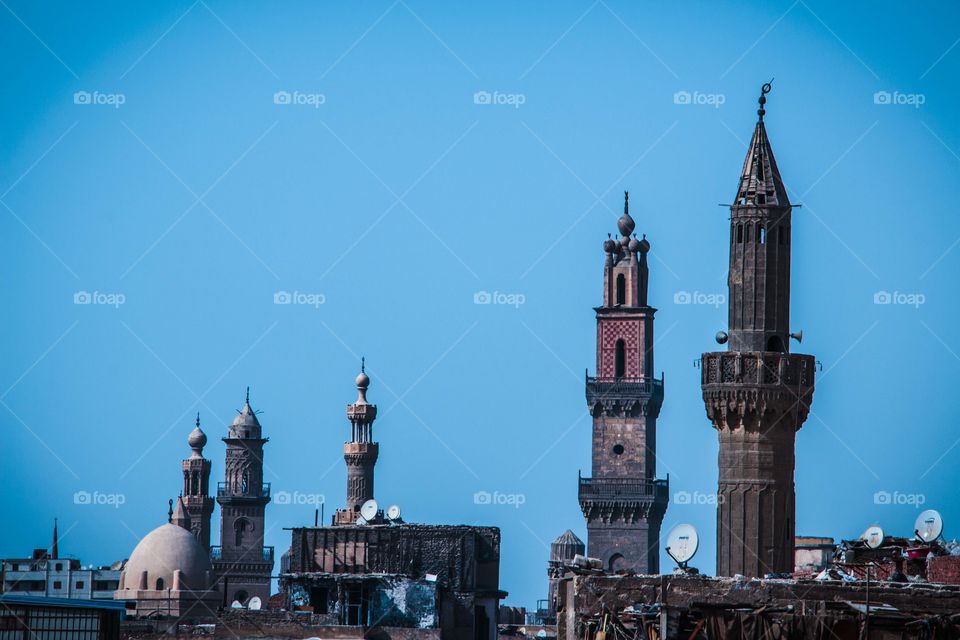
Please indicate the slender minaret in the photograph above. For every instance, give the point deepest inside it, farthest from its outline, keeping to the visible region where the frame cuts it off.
(241, 562)
(55, 545)
(360, 452)
(757, 394)
(196, 487)
(623, 502)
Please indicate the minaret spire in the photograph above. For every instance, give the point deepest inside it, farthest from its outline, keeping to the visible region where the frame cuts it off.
(55, 545)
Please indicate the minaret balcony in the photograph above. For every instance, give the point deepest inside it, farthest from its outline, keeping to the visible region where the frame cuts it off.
(757, 368)
(224, 490)
(625, 489)
(266, 554)
(629, 396)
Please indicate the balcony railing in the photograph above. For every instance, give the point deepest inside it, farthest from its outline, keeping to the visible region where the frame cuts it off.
(223, 489)
(266, 555)
(764, 369)
(626, 488)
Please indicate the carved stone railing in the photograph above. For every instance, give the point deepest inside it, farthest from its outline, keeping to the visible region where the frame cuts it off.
(625, 395)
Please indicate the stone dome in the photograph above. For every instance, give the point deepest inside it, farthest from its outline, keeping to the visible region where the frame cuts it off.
(163, 551)
(197, 438)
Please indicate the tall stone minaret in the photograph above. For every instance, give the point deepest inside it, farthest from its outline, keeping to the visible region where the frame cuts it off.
(360, 452)
(196, 487)
(623, 502)
(757, 394)
(242, 563)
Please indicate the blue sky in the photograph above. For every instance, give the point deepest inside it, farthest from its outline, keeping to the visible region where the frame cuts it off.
(174, 186)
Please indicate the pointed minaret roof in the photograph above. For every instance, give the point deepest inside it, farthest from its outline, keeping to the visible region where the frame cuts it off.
(760, 181)
(180, 517)
(55, 545)
(246, 416)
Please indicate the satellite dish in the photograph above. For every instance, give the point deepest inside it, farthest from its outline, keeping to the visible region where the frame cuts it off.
(393, 512)
(236, 605)
(929, 525)
(369, 510)
(682, 543)
(254, 604)
(361, 521)
(873, 536)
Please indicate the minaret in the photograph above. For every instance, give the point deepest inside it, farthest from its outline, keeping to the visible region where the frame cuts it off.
(757, 394)
(623, 502)
(360, 452)
(241, 561)
(55, 545)
(196, 487)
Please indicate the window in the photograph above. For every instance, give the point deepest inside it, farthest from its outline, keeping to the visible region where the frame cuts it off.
(319, 599)
(775, 344)
(80, 584)
(57, 584)
(59, 566)
(159, 584)
(780, 235)
(619, 360)
(761, 233)
(739, 234)
(621, 289)
(618, 449)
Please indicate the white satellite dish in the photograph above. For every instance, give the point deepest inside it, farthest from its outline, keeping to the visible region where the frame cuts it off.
(369, 510)
(361, 521)
(682, 543)
(873, 536)
(929, 525)
(254, 604)
(393, 512)
(236, 605)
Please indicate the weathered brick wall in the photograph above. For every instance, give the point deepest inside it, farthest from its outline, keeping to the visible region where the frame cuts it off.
(944, 569)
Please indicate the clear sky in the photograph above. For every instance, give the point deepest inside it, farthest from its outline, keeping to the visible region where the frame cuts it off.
(147, 158)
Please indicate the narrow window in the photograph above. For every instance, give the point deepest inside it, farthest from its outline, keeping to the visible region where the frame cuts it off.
(619, 362)
(159, 584)
(780, 235)
(621, 289)
(761, 233)
(739, 234)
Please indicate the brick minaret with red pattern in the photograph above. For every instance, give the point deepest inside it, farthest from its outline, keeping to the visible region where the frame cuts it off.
(623, 502)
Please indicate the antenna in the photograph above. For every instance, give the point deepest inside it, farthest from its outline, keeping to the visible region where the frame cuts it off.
(369, 510)
(873, 536)
(682, 544)
(929, 525)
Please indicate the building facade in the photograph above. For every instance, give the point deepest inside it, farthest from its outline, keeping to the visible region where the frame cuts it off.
(757, 394)
(622, 501)
(242, 563)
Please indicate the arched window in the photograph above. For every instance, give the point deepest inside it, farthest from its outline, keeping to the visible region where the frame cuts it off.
(159, 584)
(761, 233)
(615, 563)
(739, 234)
(244, 482)
(240, 528)
(775, 344)
(621, 289)
(619, 359)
